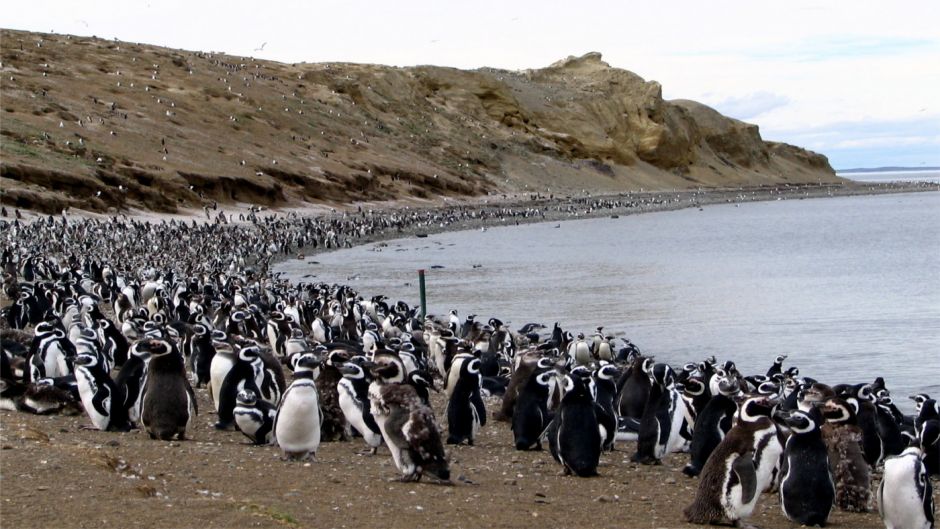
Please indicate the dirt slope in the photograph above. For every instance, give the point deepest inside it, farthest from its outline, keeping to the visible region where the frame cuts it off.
(159, 128)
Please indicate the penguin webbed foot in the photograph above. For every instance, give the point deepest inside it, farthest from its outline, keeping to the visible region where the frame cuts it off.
(87, 427)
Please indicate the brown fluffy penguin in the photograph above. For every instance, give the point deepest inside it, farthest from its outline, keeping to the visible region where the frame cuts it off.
(728, 489)
(850, 472)
(526, 364)
(333, 427)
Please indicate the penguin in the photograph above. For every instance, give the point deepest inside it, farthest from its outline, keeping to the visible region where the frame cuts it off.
(407, 424)
(254, 417)
(777, 367)
(604, 381)
(422, 382)
(222, 362)
(168, 403)
(132, 378)
(574, 435)
(905, 496)
(728, 488)
(928, 438)
(850, 471)
(580, 352)
(807, 492)
(250, 371)
(466, 413)
(712, 425)
(333, 426)
(297, 421)
(634, 388)
(526, 364)
(42, 397)
(101, 397)
(353, 392)
(202, 351)
(663, 418)
(531, 415)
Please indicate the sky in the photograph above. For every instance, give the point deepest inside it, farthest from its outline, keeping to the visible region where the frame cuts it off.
(858, 81)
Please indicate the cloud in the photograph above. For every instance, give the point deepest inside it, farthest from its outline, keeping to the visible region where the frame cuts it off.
(751, 105)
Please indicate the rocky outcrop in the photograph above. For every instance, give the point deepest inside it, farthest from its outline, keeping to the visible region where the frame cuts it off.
(104, 124)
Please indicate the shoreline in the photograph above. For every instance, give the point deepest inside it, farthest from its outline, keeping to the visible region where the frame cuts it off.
(558, 209)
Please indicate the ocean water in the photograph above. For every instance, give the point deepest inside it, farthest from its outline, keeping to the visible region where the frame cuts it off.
(848, 287)
(895, 176)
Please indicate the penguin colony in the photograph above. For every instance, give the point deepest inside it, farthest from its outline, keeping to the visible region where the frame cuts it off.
(124, 321)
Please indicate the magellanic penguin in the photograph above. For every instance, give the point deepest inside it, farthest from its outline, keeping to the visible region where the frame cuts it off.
(605, 391)
(525, 365)
(712, 425)
(168, 403)
(806, 488)
(407, 424)
(297, 422)
(255, 417)
(905, 497)
(466, 412)
(728, 488)
(334, 422)
(353, 392)
(531, 415)
(634, 386)
(102, 398)
(850, 471)
(663, 418)
(574, 435)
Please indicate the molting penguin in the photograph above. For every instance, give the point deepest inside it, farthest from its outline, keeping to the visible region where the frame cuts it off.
(354, 400)
(102, 398)
(168, 403)
(849, 469)
(526, 364)
(297, 422)
(465, 410)
(712, 425)
(905, 497)
(407, 424)
(254, 417)
(334, 422)
(574, 436)
(728, 488)
(806, 488)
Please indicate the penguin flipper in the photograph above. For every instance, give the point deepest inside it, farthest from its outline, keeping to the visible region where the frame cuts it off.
(743, 468)
(476, 400)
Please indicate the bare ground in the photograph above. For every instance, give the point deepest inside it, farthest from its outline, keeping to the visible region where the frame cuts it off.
(55, 474)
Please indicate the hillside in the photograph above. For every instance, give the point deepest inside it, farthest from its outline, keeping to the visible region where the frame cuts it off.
(96, 124)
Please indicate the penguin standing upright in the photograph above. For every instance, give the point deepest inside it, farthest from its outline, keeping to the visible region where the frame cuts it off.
(297, 422)
(574, 435)
(250, 371)
(531, 415)
(728, 488)
(806, 488)
(102, 398)
(407, 424)
(131, 379)
(663, 418)
(254, 417)
(202, 351)
(168, 403)
(712, 425)
(526, 364)
(222, 362)
(850, 471)
(334, 422)
(466, 412)
(605, 391)
(905, 497)
(353, 392)
(634, 389)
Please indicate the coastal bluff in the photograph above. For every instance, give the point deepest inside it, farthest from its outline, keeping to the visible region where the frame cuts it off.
(105, 125)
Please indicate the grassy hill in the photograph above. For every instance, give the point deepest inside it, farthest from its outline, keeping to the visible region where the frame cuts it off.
(96, 124)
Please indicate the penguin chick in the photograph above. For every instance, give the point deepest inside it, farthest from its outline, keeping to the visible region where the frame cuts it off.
(850, 471)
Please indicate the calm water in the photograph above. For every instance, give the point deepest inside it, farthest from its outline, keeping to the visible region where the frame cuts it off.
(848, 287)
(896, 176)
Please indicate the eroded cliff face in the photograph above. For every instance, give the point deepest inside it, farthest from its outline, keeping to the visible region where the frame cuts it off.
(98, 124)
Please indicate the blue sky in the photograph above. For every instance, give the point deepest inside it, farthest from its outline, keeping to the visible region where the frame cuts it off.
(855, 80)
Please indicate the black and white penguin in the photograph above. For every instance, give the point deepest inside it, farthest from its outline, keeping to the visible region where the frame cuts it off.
(525, 365)
(605, 391)
(728, 488)
(806, 488)
(777, 367)
(634, 388)
(353, 392)
(574, 435)
(255, 417)
(712, 425)
(297, 422)
(466, 413)
(928, 438)
(905, 497)
(531, 416)
(102, 398)
(201, 353)
(663, 418)
(850, 471)
(168, 403)
(222, 362)
(407, 424)
(250, 371)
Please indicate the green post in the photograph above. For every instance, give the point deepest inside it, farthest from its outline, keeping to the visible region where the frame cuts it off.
(424, 298)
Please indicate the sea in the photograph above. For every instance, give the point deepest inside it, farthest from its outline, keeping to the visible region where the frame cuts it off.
(847, 287)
